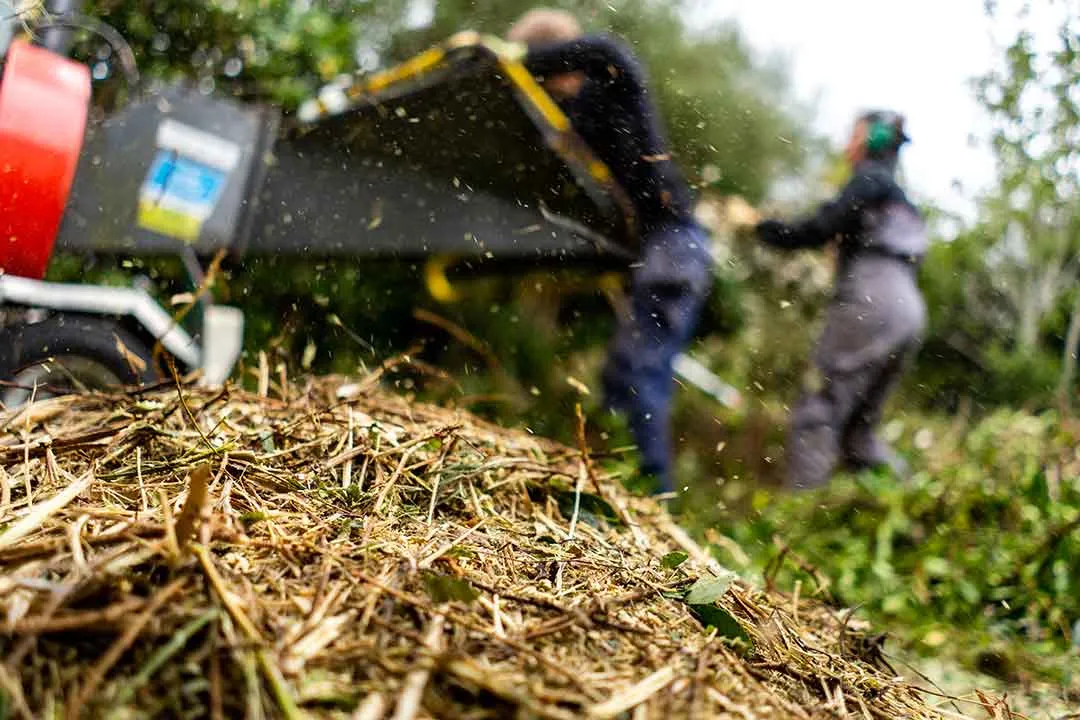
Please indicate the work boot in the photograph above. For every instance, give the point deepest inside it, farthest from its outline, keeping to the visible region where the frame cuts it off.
(812, 455)
(873, 453)
(658, 480)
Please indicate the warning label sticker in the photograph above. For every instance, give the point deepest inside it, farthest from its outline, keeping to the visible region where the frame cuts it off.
(185, 181)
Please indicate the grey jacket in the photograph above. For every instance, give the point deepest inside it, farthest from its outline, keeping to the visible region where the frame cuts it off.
(877, 307)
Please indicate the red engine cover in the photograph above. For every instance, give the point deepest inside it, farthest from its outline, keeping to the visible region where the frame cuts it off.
(44, 99)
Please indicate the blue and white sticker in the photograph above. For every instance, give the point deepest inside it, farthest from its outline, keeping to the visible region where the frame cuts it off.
(186, 180)
(186, 186)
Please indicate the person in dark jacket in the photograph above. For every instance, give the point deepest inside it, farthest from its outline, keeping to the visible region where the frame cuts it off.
(603, 90)
(877, 315)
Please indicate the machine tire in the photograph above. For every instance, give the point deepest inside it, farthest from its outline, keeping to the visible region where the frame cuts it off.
(64, 352)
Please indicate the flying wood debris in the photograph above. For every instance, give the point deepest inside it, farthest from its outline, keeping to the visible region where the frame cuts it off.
(225, 570)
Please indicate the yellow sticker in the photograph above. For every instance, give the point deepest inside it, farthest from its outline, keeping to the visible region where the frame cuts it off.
(168, 222)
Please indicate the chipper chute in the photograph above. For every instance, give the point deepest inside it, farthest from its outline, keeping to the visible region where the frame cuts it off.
(446, 154)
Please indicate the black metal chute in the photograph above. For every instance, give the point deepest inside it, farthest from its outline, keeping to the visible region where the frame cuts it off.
(448, 157)
(450, 167)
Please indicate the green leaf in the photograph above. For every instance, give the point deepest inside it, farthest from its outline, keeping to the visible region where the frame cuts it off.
(459, 552)
(673, 560)
(250, 518)
(324, 688)
(936, 566)
(719, 618)
(708, 590)
(443, 588)
(593, 510)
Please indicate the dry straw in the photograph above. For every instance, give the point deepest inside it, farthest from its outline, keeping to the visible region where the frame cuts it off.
(346, 553)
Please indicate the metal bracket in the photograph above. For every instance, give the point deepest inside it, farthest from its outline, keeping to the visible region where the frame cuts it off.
(104, 300)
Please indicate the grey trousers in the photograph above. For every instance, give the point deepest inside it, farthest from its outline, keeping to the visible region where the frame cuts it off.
(873, 326)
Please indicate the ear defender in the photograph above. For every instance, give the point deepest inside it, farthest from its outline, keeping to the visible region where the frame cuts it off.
(880, 137)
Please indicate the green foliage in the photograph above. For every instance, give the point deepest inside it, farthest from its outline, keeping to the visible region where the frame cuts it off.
(708, 590)
(673, 560)
(276, 50)
(714, 616)
(725, 312)
(1001, 293)
(591, 509)
(1018, 379)
(1006, 283)
(703, 596)
(443, 588)
(982, 544)
(971, 349)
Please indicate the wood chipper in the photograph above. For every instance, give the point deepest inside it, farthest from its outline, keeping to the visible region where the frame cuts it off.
(454, 154)
(457, 154)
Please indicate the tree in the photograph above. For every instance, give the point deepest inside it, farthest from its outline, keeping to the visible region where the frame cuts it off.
(1031, 221)
(271, 50)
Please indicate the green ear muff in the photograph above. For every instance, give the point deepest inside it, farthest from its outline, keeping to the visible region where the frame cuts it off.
(880, 137)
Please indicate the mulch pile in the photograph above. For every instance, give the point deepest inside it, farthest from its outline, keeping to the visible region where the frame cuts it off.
(333, 550)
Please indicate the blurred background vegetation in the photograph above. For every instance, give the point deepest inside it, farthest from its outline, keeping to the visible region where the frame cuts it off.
(977, 559)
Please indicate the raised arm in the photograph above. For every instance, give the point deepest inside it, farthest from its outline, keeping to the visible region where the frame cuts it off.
(834, 217)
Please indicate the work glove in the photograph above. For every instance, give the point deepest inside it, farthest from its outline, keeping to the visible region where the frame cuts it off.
(740, 213)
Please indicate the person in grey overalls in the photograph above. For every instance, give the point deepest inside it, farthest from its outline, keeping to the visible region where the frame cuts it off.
(876, 318)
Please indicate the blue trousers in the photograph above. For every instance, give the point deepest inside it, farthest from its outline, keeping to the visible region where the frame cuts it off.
(667, 291)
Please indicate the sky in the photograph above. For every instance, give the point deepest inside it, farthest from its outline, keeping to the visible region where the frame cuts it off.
(914, 56)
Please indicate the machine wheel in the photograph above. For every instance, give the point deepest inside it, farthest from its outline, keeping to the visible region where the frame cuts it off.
(68, 353)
